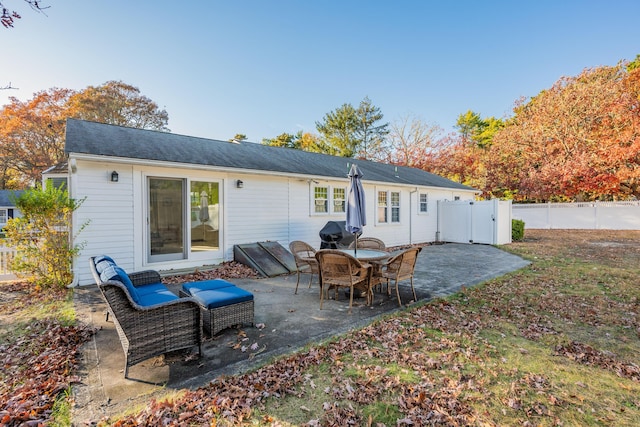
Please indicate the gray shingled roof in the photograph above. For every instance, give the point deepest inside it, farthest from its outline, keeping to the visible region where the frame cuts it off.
(109, 140)
(5, 200)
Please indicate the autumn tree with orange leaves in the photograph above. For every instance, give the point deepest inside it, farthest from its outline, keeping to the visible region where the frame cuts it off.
(32, 132)
(577, 141)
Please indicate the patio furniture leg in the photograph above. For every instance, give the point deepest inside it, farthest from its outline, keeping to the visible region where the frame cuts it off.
(297, 281)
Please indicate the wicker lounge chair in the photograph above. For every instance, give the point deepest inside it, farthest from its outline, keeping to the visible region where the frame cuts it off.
(159, 322)
(305, 257)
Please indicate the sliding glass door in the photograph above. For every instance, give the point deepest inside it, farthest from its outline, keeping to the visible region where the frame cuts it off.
(166, 219)
(183, 219)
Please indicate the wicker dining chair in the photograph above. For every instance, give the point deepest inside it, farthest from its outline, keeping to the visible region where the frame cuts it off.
(369, 243)
(340, 270)
(306, 262)
(398, 268)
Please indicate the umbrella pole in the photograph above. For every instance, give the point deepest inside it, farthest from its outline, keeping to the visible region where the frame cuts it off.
(355, 252)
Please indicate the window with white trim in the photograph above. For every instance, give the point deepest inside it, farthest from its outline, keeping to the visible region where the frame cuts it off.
(395, 206)
(338, 200)
(3, 216)
(383, 204)
(423, 205)
(321, 200)
(328, 200)
(388, 207)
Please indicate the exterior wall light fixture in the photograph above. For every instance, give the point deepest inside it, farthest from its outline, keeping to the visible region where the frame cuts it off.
(114, 176)
(239, 184)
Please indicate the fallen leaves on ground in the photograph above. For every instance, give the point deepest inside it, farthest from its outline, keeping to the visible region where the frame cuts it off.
(445, 391)
(587, 355)
(226, 270)
(445, 398)
(36, 368)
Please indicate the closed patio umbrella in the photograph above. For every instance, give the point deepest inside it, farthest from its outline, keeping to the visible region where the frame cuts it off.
(356, 210)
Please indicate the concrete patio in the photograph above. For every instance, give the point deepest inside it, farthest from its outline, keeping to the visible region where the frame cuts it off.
(284, 323)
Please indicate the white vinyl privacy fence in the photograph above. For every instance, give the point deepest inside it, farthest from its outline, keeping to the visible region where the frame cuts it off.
(586, 216)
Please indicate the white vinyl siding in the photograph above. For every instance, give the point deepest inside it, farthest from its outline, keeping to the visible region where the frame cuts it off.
(108, 211)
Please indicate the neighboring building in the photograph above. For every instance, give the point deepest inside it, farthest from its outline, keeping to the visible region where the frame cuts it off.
(57, 176)
(7, 207)
(164, 201)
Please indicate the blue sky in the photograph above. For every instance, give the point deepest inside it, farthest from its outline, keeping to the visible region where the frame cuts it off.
(266, 67)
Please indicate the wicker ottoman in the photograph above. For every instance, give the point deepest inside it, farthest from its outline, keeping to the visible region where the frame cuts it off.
(222, 303)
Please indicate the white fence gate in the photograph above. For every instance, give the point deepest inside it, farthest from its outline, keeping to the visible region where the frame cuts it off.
(586, 216)
(487, 222)
(6, 256)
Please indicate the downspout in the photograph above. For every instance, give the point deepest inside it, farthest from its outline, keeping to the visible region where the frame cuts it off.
(73, 178)
(411, 215)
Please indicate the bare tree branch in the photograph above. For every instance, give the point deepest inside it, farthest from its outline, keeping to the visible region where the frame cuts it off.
(8, 16)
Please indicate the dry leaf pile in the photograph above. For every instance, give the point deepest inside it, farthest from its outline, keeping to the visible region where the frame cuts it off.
(226, 270)
(36, 368)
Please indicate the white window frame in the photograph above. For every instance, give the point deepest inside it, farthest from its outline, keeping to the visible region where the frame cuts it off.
(317, 201)
(389, 207)
(330, 201)
(394, 207)
(423, 204)
(4, 216)
(339, 201)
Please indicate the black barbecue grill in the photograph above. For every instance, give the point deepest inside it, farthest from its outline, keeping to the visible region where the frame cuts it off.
(334, 235)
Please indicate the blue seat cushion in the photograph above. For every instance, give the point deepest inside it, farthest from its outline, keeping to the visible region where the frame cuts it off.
(150, 289)
(214, 298)
(194, 287)
(113, 272)
(158, 297)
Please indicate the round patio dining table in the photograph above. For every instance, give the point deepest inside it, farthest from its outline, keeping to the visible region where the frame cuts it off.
(366, 255)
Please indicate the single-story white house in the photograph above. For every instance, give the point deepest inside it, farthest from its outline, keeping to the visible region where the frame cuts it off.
(156, 200)
(7, 207)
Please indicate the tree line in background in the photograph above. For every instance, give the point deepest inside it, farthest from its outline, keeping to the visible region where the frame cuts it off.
(576, 141)
(32, 132)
